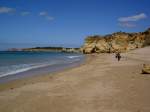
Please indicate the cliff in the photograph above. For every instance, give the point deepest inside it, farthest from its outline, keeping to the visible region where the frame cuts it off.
(119, 41)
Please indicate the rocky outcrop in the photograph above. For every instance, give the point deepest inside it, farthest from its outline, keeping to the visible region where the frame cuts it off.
(74, 50)
(146, 69)
(119, 41)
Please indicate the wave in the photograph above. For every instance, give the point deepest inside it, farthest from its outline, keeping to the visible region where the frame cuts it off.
(7, 70)
(71, 57)
(14, 69)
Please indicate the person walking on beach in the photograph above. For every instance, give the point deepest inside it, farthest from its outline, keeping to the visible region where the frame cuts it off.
(118, 56)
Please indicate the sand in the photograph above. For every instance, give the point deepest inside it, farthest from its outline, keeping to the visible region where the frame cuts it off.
(101, 84)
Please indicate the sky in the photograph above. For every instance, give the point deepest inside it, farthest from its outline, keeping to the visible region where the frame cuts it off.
(30, 23)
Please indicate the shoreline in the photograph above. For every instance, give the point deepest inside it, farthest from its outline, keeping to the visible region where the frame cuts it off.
(101, 84)
(42, 69)
(12, 84)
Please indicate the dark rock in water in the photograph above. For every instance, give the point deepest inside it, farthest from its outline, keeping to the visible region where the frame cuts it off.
(146, 69)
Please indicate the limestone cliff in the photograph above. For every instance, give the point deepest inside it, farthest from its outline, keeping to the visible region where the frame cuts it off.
(119, 41)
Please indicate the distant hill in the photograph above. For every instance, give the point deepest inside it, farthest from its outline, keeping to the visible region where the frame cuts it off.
(54, 49)
(119, 41)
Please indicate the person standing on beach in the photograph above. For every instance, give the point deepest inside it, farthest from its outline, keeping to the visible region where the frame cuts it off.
(118, 56)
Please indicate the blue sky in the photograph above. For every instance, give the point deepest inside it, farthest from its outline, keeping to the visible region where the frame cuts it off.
(25, 23)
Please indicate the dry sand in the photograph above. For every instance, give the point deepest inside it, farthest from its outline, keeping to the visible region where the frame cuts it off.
(102, 84)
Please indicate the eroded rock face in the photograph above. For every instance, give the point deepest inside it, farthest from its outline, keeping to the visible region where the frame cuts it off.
(146, 69)
(119, 41)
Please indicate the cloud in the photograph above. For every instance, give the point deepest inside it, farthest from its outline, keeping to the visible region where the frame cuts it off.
(25, 13)
(6, 10)
(127, 24)
(130, 21)
(44, 13)
(50, 18)
(133, 18)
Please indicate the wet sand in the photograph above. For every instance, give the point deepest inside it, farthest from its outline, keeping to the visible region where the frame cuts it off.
(101, 84)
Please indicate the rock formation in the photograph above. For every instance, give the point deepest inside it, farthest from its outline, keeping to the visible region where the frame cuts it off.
(119, 41)
(146, 69)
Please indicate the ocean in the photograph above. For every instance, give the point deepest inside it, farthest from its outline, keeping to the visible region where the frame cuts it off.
(14, 65)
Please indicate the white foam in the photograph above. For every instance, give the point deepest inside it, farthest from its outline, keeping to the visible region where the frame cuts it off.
(14, 69)
(24, 69)
(71, 57)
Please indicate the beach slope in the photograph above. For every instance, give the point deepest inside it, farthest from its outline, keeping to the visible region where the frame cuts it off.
(102, 84)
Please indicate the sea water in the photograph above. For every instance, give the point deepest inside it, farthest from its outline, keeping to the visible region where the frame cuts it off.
(20, 63)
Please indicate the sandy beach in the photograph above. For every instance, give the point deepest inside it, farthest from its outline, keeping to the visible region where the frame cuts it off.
(101, 84)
